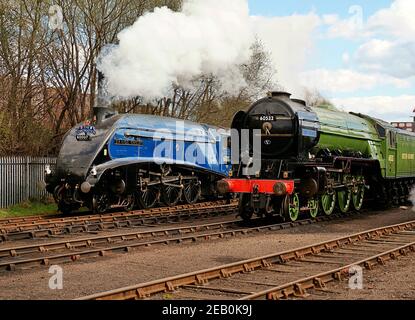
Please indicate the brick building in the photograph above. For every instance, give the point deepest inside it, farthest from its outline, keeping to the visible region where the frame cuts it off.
(409, 126)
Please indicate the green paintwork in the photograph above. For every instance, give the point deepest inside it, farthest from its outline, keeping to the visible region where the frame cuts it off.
(344, 198)
(359, 133)
(328, 203)
(358, 198)
(294, 210)
(345, 132)
(314, 207)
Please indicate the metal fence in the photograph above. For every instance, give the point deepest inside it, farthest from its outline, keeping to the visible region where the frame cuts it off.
(19, 177)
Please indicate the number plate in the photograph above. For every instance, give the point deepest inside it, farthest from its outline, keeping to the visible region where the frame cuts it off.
(266, 118)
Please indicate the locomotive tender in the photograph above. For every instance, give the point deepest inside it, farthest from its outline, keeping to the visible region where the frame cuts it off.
(318, 159)
(129, 161)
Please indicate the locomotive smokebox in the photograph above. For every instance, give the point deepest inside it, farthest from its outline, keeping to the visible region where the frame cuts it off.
(288, 127)
(102, 108)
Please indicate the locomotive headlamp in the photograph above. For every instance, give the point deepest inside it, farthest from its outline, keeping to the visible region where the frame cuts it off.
(48, 171)
(280, 189)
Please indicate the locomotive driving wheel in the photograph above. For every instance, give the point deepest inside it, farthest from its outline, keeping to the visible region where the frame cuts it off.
(359, 194)
(192, 191)
(171, 195)
(100, 203)
(291, 207)
(344, 200)
(148, 197)
(314, 208)
(328, 202)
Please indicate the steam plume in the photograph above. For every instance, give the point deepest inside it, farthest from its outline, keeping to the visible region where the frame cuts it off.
(207, 37)
(165, 47)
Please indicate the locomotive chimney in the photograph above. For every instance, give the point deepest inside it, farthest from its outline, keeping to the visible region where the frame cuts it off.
(279, 94)
(102, 108)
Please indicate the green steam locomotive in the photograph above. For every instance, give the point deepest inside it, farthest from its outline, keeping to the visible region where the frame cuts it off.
(317, 160)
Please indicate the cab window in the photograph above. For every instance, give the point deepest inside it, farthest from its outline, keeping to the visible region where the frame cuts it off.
(392, 139)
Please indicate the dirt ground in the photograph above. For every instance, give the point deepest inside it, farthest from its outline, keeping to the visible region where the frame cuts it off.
(395, 281)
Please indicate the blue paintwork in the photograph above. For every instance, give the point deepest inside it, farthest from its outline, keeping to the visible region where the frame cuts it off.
(157, 139)
(309, 133)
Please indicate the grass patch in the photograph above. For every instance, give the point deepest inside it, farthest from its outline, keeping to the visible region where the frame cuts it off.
(28, 209)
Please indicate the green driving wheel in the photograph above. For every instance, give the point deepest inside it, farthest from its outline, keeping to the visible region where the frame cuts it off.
(328, 203)
(344, 200)
(359, 197)
(294, 207)
(313, 205)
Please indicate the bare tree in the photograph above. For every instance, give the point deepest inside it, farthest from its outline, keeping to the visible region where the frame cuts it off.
(315, 98)
(20, 46)
(48, 75)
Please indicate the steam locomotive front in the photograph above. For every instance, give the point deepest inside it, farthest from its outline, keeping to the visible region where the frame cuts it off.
(281, 134)
(82, 147)
(287, 128)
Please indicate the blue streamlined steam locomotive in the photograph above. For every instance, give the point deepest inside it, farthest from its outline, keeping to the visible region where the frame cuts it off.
(130, 161)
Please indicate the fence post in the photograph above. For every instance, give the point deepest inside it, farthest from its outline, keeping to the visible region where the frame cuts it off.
(27, 179)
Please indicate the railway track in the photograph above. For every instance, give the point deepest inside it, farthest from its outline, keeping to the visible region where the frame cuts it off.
(72, 250)
(16, 221)
(92, 223)
(293, 273)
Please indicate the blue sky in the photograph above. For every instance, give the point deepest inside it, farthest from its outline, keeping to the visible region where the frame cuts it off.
(281, 8)
(358, 67)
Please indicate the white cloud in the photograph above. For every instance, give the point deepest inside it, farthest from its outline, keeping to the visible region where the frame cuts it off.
(330, 19)
(394, 58)
(383, 107)
(346, 57)
(397, 20)
(350, 28)
(289, 40)
(345, 80)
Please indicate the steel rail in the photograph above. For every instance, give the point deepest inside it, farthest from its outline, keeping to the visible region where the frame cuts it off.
(202, 277)
(31, 220)
(299, 287)
(113, 222)
(28, 219)
(127, 242)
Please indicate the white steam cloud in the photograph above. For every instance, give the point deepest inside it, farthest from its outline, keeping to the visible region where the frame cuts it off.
(207, 37)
